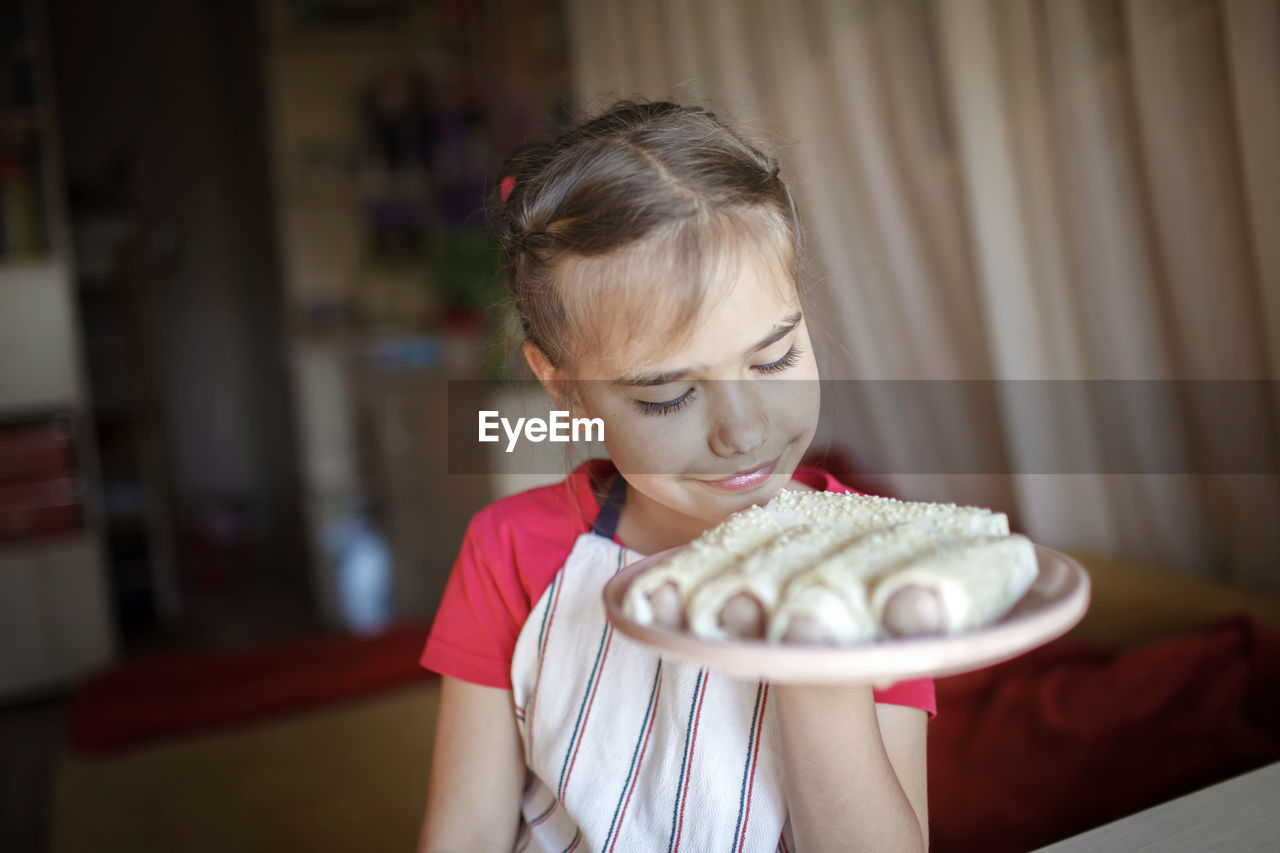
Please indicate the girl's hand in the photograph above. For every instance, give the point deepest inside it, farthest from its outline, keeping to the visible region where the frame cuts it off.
(854, 770)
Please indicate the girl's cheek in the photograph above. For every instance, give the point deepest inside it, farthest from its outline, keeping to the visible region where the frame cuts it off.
(789, 405)
(649, 444)
(801, 400)
(807, 408)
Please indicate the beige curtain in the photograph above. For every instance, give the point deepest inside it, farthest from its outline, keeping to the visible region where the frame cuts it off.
(1010, 191)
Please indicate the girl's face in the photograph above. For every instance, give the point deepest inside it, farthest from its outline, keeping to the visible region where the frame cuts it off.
(717, 422)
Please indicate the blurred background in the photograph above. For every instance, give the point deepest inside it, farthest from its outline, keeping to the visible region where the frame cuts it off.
(243, 249)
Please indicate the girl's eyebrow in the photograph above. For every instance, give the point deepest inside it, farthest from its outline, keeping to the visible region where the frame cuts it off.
(779, 332)
(653, 379)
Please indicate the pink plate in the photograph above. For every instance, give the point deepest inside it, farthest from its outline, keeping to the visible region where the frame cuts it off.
(1051, 607)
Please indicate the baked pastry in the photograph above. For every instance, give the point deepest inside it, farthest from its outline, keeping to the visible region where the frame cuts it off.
(658, 596)
(972, 582)
(739, 601)
(828, 568)
(830, 601)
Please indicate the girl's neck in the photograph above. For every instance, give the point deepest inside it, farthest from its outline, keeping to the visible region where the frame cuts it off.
(647, 527)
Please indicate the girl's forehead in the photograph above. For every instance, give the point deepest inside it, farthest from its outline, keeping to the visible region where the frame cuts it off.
(660, 310)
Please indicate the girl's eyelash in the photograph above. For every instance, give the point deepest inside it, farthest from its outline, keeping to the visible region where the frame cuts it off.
(787, 361)
(667, 407)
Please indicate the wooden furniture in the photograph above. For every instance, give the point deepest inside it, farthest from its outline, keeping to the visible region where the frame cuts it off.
(54, 622)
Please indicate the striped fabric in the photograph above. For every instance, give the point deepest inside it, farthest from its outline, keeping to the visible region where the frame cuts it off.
(628, 752)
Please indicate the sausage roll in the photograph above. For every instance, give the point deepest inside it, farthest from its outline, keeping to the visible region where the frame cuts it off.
(829, 601)
(956, 587)
(657, 597)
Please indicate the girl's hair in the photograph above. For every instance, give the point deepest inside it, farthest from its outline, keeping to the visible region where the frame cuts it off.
(628, 216)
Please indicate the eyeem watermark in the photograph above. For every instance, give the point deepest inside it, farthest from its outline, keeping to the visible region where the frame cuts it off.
(560, 428)
(1121, 427)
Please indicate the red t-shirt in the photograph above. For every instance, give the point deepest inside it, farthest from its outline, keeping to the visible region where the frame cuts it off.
(512, 550)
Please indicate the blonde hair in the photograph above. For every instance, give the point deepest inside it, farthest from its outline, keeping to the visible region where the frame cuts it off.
(623, 206)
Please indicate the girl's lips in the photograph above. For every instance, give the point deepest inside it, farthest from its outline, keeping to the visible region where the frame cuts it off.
(744, 480)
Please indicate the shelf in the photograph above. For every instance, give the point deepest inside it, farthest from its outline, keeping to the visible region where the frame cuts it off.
(55, 617)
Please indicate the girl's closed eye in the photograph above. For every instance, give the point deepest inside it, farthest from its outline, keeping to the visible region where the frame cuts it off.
(665, 407)
(787, 361)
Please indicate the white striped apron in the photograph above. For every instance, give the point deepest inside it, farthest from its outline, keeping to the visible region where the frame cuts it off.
(627, 752)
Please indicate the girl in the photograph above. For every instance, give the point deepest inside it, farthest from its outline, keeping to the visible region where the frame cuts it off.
(653, 255)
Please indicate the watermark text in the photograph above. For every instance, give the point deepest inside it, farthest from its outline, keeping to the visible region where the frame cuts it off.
(558, 428)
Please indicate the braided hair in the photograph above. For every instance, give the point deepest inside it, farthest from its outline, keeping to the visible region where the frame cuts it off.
(660, 187)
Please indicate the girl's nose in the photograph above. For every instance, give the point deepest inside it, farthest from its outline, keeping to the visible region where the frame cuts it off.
(741, 425)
